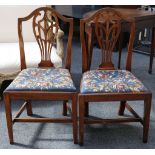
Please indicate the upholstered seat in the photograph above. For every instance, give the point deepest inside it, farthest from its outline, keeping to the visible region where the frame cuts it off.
(110, 81)
(43, 80)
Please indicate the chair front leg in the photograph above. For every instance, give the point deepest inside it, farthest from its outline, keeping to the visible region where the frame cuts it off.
(147, 110)
(121, 108)
(8, 112)
(64, 111)
(74, 119)
(29, 108)
(81, 120)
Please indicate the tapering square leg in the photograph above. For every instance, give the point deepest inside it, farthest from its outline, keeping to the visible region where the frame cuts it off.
(74, 118)
(81, 120)
(147, 110)
(8, 112)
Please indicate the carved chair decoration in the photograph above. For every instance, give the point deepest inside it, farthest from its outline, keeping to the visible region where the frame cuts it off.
(45, 82)
(107, 83)
(9, 69)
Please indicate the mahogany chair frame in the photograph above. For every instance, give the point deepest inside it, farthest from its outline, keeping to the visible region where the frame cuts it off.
(28, 96)
(86, 99)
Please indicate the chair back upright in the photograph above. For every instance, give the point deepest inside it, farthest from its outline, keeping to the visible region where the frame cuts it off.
(107, 23)
(45, 25)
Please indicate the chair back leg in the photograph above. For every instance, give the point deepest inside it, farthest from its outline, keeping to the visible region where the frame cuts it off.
(121, 108)
(86, 109)
(29, 108)
(64, 111)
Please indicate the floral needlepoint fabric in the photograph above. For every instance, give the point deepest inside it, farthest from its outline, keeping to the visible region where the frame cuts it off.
(43, 79)
(110, 81)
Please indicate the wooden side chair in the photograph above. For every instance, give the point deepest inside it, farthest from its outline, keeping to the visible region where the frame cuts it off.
(107, 83)
(45, 82)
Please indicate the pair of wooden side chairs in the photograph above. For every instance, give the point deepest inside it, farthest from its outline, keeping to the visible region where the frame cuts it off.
(101, 85)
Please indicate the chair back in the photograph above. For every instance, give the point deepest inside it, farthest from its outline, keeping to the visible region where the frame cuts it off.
(45, 25)
(106, 25)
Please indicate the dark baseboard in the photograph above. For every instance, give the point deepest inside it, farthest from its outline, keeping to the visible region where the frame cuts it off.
(4, 85)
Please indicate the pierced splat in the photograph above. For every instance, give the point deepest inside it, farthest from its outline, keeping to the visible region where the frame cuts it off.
(45, 29)
(107, 29)
(106, 25)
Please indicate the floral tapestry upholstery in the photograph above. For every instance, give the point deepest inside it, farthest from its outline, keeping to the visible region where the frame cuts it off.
(110, 81)
(56, 79)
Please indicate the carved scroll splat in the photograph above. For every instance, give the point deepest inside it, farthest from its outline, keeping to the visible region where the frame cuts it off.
(45, 29)
(107, 29)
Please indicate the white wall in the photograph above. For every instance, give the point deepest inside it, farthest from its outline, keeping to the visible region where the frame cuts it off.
(8, 22)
